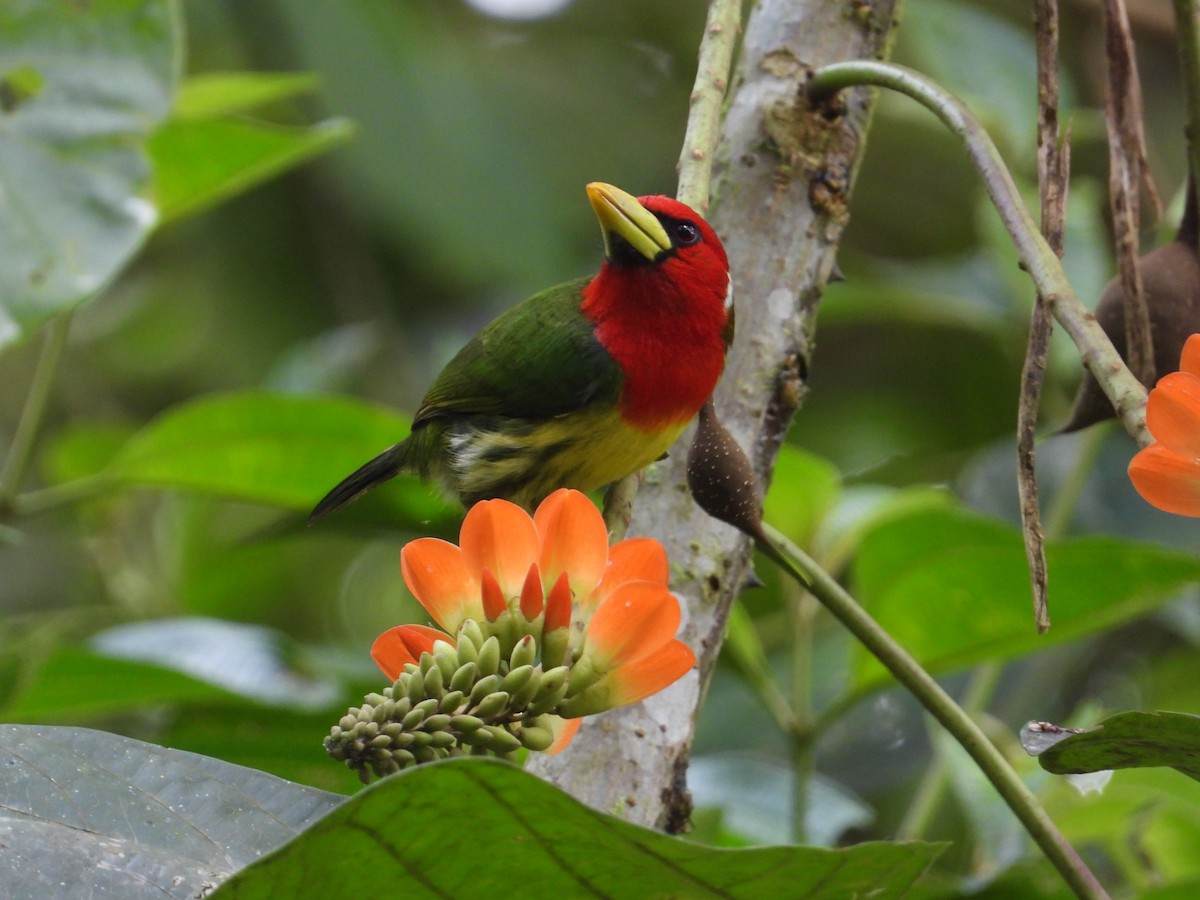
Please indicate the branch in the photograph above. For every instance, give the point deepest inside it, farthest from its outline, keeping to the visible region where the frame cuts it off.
(942, 707)
(695, 175)
(782, 176)
(33, 412)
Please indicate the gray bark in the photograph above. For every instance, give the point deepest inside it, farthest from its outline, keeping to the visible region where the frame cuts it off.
(782, 177)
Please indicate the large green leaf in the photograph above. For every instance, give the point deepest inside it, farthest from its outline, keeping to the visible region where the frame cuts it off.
(200, 162)
(952, 587)
(81, 88)
(1130, 740)
(88, 814)
(76, 684)
(481, 828)
(220, 93)
(267, 448)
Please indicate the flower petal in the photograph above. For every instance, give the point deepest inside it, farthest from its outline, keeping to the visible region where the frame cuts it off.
(1189, 361)
(558, 605)
(635, 559)
(1173, 413)
(564, 731)
(574, 540)
(1167, 480)
(635, 620)
(437, 573)
(500, 536)
(494, 603)
(650, 674)
(404, 644)
(532, 600)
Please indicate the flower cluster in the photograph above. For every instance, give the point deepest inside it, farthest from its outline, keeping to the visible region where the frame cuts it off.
(542, 622)
(1167, 473)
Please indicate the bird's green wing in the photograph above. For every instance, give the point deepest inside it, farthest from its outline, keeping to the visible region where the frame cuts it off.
(539, 359)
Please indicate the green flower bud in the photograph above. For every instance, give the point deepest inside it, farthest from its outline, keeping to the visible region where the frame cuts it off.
(437, 722)
(368, 730)
(402, 740)
(526, 692)
(420, 739)
(555, 644)
(375, 699)
(489, 656)
(347, 722)
(443, 740)
(402, 706)
(464, 677)
(477, 739)
(466, 651)
(415, 717)
(416, 687)
(385, 711)
(586, 703)
(428, 707)
(502, 740)
(427, 754)
(434, 683)
(403, 757)
(393, 729)
(492, 705)
(524, 653)
(483, 687)
(427, 662)
(466, 724)
(381, 740)
(471, 630)
(447, 662)
(535, 737)
(451, 702)
(518, 678)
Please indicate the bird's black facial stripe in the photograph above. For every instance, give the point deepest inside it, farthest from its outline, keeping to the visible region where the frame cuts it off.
(682, 232)
(623, 253)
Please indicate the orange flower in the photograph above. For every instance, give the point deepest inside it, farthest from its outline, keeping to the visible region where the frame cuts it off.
(1167, 473)
(625, 617)
(544, 623)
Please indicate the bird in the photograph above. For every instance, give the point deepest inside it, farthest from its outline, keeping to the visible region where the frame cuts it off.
(584, 382)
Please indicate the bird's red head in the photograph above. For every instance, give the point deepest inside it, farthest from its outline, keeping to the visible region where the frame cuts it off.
(662, 304)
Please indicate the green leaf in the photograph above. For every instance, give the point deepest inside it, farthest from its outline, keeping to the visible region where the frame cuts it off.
(81, 88)
(952, 587)
(201, 162)
(75, 683)
(89, 814)
(220, 93)
(478, 828)
(265, 448)
(804, 488)
(1130, 740)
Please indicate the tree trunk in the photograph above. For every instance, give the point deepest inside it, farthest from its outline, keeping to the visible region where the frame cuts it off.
(781, 184)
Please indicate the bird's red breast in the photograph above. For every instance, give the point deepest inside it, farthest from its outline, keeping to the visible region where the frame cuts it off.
(665, 322)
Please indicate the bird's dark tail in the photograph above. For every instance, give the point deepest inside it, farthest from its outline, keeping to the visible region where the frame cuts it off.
(386, 465)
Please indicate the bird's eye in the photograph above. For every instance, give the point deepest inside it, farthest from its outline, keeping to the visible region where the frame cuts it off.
(686, 234)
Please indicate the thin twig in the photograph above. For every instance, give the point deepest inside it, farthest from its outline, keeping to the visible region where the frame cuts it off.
(30, 423)
(1127, 394)
(1187, 26)
(1053, 165)
(695, 172)
(942, 707)
(1127, 171)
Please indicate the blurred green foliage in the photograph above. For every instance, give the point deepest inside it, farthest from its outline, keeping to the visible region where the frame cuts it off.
(192, 421)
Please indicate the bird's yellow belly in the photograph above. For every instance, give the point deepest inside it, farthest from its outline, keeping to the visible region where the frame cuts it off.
(525, 460)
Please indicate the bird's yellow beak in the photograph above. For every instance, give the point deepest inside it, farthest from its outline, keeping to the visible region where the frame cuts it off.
(620, 214)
